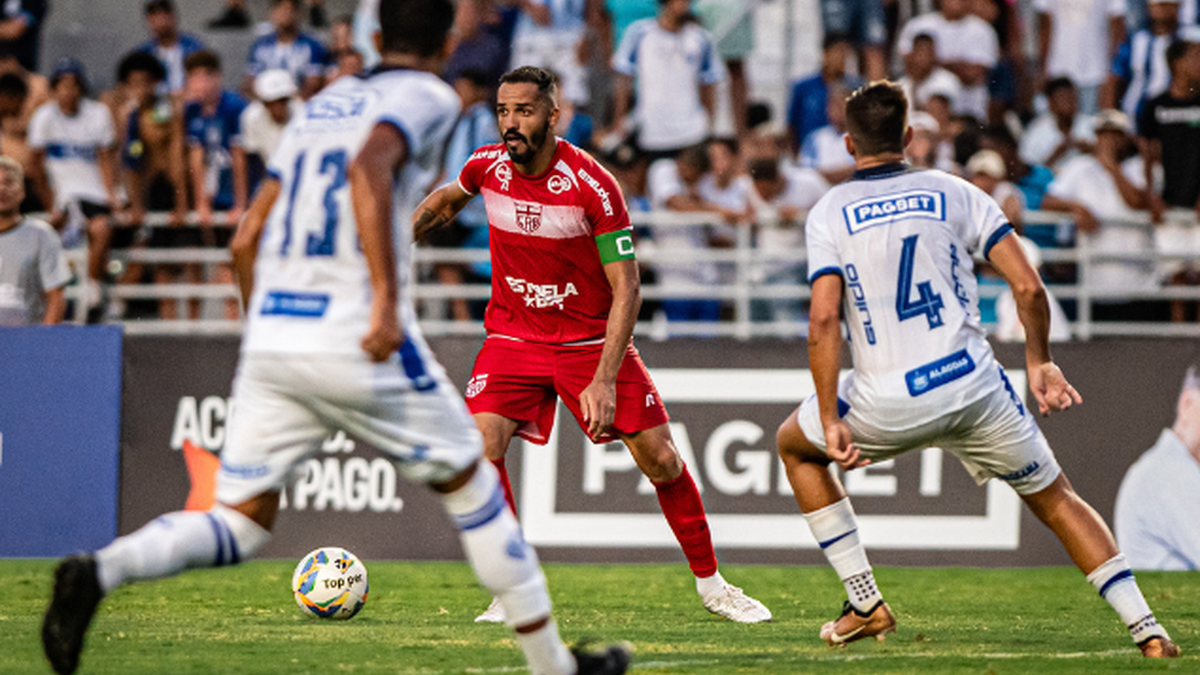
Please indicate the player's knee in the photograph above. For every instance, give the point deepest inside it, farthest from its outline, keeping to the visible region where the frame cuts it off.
(238, 533)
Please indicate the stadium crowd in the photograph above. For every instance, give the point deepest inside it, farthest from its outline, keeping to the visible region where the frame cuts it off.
(1097, 120)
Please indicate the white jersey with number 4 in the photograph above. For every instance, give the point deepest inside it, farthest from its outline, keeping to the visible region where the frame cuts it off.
(902, 241)
(312, 289)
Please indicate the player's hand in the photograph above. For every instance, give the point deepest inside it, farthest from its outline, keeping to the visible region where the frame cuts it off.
(1051, 389)
(598, 403)
(840, 447)
(384, 336)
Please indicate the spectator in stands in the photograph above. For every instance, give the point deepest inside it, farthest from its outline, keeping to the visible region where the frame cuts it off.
(808, 110)
(1170, 131)
(1155, 514)
(555, 34)
(234, 16)
(1139, 71)
(727, 189)
(986, 170)
(1105, 193)
(35, 270)
(349, 62)
(1062, 132)
(155, 170)
(864, 23)
(926, 149)
(923, 77)
(781, 200)
(167, 44)
(21, 30)
(73, 144)
(1004, 307)
(624, 13)
(966, 46)
(484, 31)
(731, 22)
(574, 125)
(264, 119)
(825, 149)
(1077, 40)
(287, 48)
(673, 185)
(476, 127)
(21, 94)
(675, 66)
(1031, 180)
(212, 122)
(1008, 87)
(341, 40)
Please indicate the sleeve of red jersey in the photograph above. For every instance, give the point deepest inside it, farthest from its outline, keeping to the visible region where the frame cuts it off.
(604, 206)
(471, 176)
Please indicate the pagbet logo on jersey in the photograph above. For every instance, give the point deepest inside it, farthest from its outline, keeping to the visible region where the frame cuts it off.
(872, 211)
(529, 216)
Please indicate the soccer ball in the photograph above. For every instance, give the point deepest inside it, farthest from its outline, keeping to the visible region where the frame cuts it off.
(330, 583)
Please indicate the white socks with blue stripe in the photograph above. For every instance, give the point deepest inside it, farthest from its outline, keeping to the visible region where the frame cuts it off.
(836, 530)
(1116, 584)
(508, 567)
(177, 541)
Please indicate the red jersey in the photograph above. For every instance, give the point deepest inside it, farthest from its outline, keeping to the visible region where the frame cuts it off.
(547, 235)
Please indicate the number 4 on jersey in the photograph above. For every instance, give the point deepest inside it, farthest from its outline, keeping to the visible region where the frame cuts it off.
(927, 303)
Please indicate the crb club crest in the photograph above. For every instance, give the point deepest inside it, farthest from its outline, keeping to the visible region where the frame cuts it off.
(558, 184)
(504, 175)
(529, 216)
(476, 385)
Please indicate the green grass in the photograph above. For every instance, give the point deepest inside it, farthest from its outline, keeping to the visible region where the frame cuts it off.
(419, 620)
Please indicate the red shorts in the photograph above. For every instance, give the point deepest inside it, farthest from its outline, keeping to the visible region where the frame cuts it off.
(522, 380)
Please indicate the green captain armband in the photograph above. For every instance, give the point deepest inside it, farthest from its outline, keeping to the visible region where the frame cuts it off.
(614, 246)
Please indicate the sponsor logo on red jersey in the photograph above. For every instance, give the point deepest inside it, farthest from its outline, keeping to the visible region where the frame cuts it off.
(529, 215)
(504, 175)
(476, 385)
(541, 296)
(558, 184)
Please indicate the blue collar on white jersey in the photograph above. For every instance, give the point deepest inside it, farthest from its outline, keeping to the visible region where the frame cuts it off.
(881, 171)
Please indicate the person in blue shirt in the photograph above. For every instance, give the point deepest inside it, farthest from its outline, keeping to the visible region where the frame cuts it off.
(167, 44)
(213, 128)
(286, 48)
(810, 96)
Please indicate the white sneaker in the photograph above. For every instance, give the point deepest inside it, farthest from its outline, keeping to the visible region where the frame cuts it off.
(733, 604)
(493, 614)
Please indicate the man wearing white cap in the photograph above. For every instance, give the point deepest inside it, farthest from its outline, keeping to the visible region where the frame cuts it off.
(263, 120)
(1107, 198)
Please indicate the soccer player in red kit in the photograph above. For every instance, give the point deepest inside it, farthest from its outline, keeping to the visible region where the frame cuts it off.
(565, 296)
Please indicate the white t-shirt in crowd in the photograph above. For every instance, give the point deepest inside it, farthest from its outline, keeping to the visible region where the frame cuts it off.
(1043, 136)
(969, 40)
(804, 188)
(72, 146)
(824, 149)
(939, 82)
(662, 183)
(669, 69)
(260, 133)
(1086, 181)
(1079, 38)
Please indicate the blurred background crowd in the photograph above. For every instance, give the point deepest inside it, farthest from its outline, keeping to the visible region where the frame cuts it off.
(1088, 108)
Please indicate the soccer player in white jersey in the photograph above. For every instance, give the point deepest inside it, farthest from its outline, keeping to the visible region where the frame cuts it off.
(891, 248)
(331, 342)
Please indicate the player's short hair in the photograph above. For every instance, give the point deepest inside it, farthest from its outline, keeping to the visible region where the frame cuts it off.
(546, 81)
(1057, 83)
(12, 84)
(12, 167)
(876, 117)
(418, 27)
(205, 59)
(141, 62)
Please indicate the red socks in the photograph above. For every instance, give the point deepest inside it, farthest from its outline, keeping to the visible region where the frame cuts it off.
(680, 502)
(508, 493)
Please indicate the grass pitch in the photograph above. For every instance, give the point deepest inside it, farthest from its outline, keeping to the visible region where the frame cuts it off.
(419, 620)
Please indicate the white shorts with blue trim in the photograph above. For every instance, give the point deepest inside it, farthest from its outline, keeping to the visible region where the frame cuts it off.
(285, 405)
(994, 437)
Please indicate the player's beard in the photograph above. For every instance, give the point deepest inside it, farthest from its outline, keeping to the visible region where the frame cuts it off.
(532, 144)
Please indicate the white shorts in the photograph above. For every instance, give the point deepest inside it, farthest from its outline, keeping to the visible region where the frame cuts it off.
(284, 406)
(994, 437)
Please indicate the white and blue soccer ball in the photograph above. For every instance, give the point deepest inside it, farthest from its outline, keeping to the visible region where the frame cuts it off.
(330, 583)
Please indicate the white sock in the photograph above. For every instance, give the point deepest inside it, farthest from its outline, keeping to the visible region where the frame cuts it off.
(710, 586)
(1115, 582)
(177, 541)
(836, 529)
(546, 653)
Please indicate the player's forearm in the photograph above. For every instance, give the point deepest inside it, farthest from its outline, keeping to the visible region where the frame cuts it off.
(371, 194)
(1033, 308)
(824, 359)
(437, 210)
(244, 247)
(619, 331)
(241, 179)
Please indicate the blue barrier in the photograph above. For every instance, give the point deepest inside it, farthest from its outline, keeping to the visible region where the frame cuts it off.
(60, 412)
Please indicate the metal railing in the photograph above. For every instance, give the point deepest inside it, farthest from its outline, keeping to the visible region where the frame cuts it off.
(740, 292)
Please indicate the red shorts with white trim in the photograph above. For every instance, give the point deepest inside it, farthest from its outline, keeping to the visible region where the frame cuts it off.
(523, 380)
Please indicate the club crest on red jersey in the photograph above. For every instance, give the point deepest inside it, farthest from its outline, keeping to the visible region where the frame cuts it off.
(529, 216)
